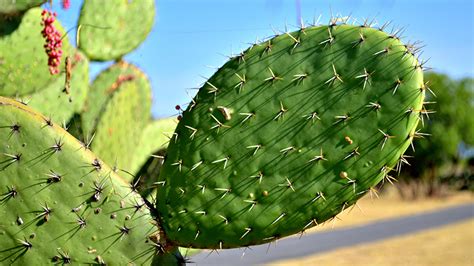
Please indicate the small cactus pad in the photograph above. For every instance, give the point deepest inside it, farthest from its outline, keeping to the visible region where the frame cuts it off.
(59, 203)
(107, 32)
(23, 61)
(120, 102)
(288, 134)
(58, 102)
(17, 6)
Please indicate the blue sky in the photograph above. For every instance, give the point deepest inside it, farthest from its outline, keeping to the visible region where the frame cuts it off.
(190, 37)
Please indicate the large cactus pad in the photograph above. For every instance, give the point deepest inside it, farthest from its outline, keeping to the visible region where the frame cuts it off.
(288, 134)
(59, 203)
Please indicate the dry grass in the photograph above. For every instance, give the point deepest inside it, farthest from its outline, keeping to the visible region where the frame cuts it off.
(448, 245)
(390, 206)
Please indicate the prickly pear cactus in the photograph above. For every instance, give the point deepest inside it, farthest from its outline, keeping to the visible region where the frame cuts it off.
(116, 112)
(59, 203)
(23, 63)
(288, 134)
(108, 32)
(54, 102)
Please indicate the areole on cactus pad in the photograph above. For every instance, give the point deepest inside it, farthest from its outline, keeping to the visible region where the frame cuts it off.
(288, 134)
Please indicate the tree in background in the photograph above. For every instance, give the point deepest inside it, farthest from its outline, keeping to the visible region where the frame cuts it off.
(445, 157)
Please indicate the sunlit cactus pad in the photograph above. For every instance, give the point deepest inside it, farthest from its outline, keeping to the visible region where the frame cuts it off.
(59, 203)
(288, 134)
(23, 62)
(116, 111)
(109, 31)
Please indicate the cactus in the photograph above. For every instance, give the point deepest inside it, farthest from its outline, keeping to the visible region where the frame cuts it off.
(23, 56)
(288, 134)
(59, 202)
(109, 33)
(116, 111)
(284, 136)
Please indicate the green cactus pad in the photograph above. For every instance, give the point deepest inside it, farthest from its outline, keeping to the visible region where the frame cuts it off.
(109, 31)
(117, 110)
(288, 134)
(155, 137)
(53, 100)
(23, 61)
(18, 6)
(59, 203)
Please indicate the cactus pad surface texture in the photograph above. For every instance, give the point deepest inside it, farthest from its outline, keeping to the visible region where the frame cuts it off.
(59, 203)
(110, 31)
(288, 134)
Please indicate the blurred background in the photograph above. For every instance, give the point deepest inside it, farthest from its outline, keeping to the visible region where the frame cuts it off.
(191, 38)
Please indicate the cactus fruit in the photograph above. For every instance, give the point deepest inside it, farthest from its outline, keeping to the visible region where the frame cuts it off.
(116, 111)
(288, 134)
(59, 203)
(16, 7)
(23, 59)
(109, 32)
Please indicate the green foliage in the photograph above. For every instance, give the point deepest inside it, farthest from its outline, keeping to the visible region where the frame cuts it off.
(451, 124)
(59, 203)
(110, 31)
(288, 134)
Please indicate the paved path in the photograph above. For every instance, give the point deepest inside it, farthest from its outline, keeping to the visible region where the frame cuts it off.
(314, 243)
